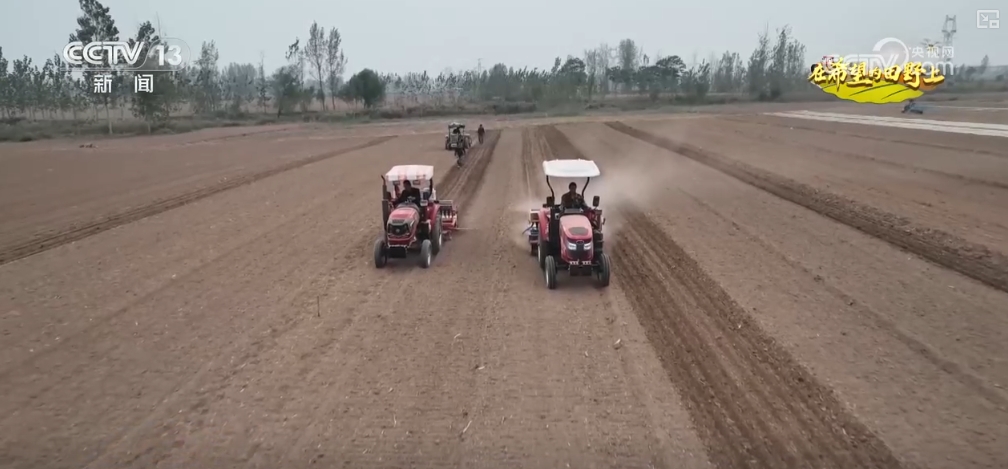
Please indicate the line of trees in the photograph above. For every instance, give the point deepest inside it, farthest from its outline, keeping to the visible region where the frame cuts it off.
(314, 68)
(625, 69)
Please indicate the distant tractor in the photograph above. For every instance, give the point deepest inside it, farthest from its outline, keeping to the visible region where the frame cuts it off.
(458, 140)
(457, 137)
(912, 108)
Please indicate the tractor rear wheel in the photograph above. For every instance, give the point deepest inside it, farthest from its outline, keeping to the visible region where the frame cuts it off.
(425, 253)
(550, 272)
(436, 236)
(602, 271)
(540, 253)
(380, 253)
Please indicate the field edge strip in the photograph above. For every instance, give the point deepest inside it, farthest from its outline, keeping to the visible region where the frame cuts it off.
(859, 156)
(797, 125)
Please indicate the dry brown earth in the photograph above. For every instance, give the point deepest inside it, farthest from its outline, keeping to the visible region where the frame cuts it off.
(787, 293)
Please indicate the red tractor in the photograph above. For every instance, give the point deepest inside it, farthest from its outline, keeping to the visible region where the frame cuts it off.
(413, 225)
(569, 238)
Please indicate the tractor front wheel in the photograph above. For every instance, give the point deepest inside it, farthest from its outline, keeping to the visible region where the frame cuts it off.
(550, 272)
(380, 253)
(602, 270)
(425, 253)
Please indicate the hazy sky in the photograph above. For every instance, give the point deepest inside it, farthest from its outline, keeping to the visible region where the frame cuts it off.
(415, 35)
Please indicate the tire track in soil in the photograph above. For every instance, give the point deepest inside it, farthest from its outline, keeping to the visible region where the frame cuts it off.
(946, 250)
(529, 135)
(752, 404)
(38, 244)
(460, 184)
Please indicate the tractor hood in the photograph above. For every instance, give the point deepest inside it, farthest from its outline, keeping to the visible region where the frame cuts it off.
(402, 222)
(407, 214)
(576, 227)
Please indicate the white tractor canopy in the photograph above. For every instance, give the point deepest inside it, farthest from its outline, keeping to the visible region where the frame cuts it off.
(416, 174)
(571, 168)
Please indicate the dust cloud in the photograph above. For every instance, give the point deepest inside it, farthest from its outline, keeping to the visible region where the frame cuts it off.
(623, 189)
(620, 189)
(518, 217)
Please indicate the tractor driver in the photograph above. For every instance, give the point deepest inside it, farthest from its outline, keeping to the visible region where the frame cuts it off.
(409, 194)
(571, 199)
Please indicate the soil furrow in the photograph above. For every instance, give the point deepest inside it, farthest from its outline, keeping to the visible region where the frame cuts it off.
(752, 403)
(528, 135)
(459, 182)
(970, 259)
(46, 242)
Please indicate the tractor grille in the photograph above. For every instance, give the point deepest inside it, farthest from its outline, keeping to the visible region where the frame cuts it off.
(398, 228)
(580, 253)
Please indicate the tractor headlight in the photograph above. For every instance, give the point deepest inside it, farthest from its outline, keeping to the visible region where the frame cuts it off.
(571, 246)
(588, 247)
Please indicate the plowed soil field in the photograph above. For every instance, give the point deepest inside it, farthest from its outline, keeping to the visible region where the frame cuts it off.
(787, 293)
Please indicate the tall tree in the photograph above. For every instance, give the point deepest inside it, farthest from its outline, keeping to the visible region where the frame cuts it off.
(238, 88)
(603, 53)
(335, 63)
(21, 72)
(285, 89)
(262, 84)
(367, 87)
(296, 59)
(629, 61)
(757, 70)
(96, 24)
(206, 89)
(155, 106)
(983, 66)
(591, 62)
(315, 51)
(6, 88)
